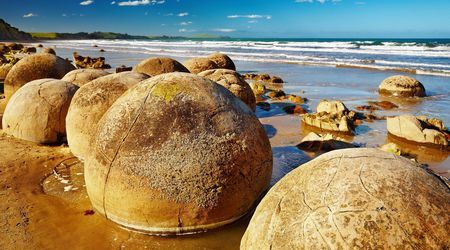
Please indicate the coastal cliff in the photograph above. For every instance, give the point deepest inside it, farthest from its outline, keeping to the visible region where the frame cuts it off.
(7, 32)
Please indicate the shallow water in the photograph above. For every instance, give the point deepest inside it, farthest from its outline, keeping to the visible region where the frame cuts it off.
(65, 198)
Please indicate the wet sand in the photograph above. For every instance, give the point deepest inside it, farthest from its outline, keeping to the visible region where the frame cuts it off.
(44, 201)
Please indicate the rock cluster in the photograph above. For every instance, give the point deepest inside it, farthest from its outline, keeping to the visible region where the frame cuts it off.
(177, 154)
(353, 199)
(418, 129)
(87, 62)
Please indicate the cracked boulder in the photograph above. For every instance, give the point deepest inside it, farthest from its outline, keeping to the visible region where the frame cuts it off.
(234, 82)
(80, 77)
(199, 64)
(402, 86)
(37, 111)
(353, 199)
(159, 65)
(331, 116)
(418, 130)
(177, 154)
(34, 67)
(90, 103)
(223, 61)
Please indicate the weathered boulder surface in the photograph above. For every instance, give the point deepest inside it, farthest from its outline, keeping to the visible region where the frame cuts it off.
(223, 61)
(353, 199)
(159, 65)
(37, 111)
(233, 82)
(417, 129)
(200, 64)
(402, 86)
(177, 154)
(89, 104)
(331, 116)
(80, 77)
(33, 67)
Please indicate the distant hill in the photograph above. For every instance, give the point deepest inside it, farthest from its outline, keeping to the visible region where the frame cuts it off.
(85, 35)
(7, 32)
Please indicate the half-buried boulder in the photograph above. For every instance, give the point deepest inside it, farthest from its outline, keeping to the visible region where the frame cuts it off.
(33, 67)
(197, 65)
(223, 61)
(233, 82)
(159, 65)
(177, 154)
(37, 111)
(402, 86)
(90, 103)
(353, 199)
(418, 129)
(80, 77)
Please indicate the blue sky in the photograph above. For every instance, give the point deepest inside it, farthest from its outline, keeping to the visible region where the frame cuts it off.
(243, 18)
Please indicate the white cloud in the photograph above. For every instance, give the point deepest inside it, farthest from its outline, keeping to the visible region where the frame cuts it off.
(252, 16)
(185, 23)
(183, 14)
(186, 30)
(113, 2)
(224, 30)
(64, 15)
(139, 2)
(87, 2)
(29, 15)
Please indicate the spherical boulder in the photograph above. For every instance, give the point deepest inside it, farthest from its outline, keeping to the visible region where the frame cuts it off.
(4, 69)
(234, 82)
(90, 103)
(49, 51)
(33, 67)
(223, 61)
(353, 199)
(37, 111)
(159, 65)
(177, 154)
(80, 77)
(402, 86)
(197, 65)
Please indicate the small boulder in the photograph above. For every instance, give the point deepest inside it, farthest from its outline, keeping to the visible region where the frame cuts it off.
(29, 50)
(123, 68)
(37, 111)
(233, 82)
(49, 51)
(276, 94)
(197, 65)
(386, 105)
(331, 107)
(258, 88)
(222, 61)
(294, 109)
(402, 86)
(296, 99)
(80, 77)
(33, 67)
(159, 65)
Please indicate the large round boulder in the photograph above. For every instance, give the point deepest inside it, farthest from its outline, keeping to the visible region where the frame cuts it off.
(80, 77)
(177, 154)
(223, 61)
(37, 111)
(402, 86)
(33, 67)
(4, 69)
(353, 199)
(234, 82)
(90, 103)
(197, 65)
(159, 65)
